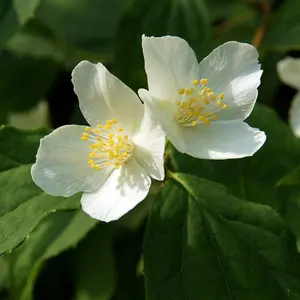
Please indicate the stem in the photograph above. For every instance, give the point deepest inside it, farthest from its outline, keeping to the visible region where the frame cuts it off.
(261, 30)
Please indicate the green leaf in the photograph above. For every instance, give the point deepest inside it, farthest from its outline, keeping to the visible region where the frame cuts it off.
(90, 24)
(25, 10)
(95, 265)
(13, 14)
(188, 19)
(255, 178)
(25, 83)
(239, 23)
(55, 234)
(4, 274)
(283, 32)
(22, 203)
(292, 178)
(128, 252)
(203, 243)
(48, 45)
(34, 32)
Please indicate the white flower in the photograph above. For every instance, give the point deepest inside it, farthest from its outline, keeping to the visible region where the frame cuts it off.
(201, 107)
(289, 72)
(110, 161)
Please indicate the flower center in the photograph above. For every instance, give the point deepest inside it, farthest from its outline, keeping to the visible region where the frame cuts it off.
(110, 145)
(198, 105)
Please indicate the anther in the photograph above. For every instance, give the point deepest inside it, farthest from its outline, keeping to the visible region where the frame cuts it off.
(111, 122)
(204, 81)
(198, 107)
(219, 103)
(181, 91)
(212, 96)
(92, 155)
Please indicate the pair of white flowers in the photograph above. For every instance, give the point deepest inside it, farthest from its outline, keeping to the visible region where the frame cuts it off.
(200, 108)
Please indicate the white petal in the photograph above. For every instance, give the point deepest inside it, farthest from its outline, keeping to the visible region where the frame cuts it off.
(124, 189)
(164, 111)
(150, 145)
(125, 105)
(233, 69)
(223, 140)
(85, 79)
(294, 115)
(169, 63)
(289, 71)
(61, 167)
(103, 96)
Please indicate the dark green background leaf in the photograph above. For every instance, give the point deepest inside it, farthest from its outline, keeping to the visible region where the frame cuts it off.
(210, 245)
(13, 14)
(56, 233)
(27, 80)
(284, 28)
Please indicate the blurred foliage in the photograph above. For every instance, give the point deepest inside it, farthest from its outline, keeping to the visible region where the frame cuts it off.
(202, 240)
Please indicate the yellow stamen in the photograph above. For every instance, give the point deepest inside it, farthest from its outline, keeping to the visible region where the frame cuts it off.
(111, 122)
(201, 106)
(212, 96)
(204, 81)
(110, 147)
(92, 155)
